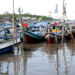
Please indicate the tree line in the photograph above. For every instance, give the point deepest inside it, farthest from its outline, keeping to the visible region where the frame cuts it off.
(6, 14)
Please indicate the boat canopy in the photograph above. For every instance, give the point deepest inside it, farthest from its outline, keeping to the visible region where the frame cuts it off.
(41, 23)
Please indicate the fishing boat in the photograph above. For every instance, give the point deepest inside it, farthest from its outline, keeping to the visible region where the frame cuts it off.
(73, 29)
(7, 46)
(50, 36)
(70, 31)
(36, 32)
(6, 41)
(30, 37)
(68, 35)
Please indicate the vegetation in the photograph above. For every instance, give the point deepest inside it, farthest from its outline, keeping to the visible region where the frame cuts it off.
(6, 14)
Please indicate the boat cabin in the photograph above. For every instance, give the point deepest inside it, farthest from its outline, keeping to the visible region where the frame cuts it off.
(59, 29)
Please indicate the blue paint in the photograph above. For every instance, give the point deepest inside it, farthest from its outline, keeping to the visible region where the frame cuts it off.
(6, 49)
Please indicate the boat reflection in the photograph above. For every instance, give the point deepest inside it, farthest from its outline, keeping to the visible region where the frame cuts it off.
(64, 56)
(42, 59)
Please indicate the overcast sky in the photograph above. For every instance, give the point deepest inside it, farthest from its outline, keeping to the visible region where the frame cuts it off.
(39, 7)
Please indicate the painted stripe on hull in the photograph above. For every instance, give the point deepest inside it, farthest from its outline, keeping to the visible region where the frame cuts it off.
(68, 35)
(34, 36)
(50, 40)
(50, 37)
(6, 49)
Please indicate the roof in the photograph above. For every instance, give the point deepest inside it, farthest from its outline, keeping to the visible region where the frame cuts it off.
(26, 18)
(43, 24)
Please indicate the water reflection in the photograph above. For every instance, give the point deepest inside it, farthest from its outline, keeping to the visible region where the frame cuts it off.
(42, 59)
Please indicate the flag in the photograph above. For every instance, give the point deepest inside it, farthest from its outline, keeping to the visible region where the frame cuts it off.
(22, 10)
(56, 10)
(51, 12)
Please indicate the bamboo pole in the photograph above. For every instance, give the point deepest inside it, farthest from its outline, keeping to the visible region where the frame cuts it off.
(71, 31)
(24, 38)
(56, 35)
(16, 32)
(66, 71)
(13, 25)
(14, 65)
(56, 30)
(69, 26)
(21, 28)
(63, 23)
(17, 63)
(57, 60)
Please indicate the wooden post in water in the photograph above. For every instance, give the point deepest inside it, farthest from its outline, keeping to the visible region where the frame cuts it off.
(13, 25)
(22, 28)
(57, 63)
(56, 35)
(56, 30)
(15, 30)
(63, 24)
(24, 38)
(72, 35)
(70, 26)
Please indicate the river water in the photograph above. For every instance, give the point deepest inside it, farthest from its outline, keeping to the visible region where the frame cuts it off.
(42, 59)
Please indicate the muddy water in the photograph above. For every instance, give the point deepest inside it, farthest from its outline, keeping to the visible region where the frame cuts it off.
(42, 59)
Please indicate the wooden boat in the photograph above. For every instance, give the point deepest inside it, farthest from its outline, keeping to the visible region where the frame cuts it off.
(68, 35)
(31, 38)
(73, 30)
(8, 46)
(35, 35)
(50, 37)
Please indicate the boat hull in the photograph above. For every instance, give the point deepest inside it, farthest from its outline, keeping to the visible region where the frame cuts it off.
(68, 35)
(73, 32)
(8, 46)
(51, 37)
(7, 49)
(32, 38)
